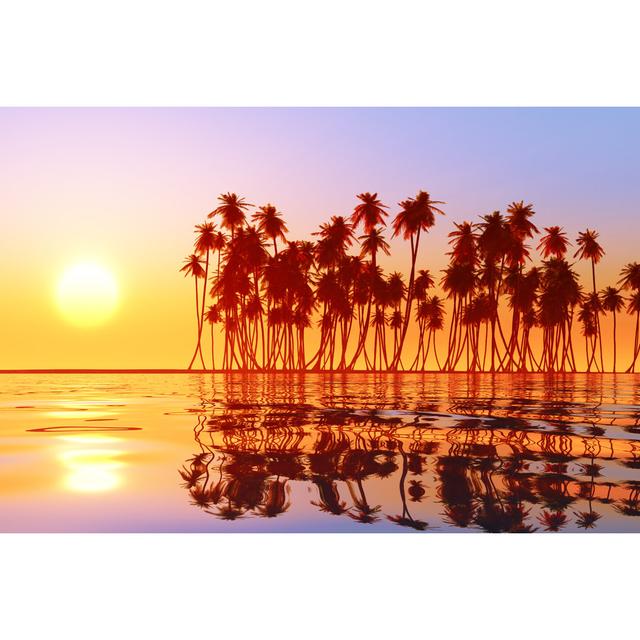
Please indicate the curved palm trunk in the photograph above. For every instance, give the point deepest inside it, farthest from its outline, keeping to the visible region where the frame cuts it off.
(615, 346)
(201, 316)
(407, 312)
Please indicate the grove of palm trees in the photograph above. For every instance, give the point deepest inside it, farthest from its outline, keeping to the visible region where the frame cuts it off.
(266, 302)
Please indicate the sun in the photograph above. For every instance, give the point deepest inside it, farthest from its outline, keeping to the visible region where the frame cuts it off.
(87, 294)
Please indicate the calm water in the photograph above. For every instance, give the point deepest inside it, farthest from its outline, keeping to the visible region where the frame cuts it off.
(313, 452)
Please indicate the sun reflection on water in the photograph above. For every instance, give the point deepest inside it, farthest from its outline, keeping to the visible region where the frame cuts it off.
(92, 463)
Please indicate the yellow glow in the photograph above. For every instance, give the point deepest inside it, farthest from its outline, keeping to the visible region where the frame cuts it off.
(92, 469)
(87, 295)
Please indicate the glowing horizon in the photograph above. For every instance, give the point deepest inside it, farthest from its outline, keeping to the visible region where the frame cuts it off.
(125, 187)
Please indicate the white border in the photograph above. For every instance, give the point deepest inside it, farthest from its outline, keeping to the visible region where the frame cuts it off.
(335, 52)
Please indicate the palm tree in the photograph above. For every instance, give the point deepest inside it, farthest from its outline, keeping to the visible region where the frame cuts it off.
(193, 267)
(630, 279)
(459, 283)
(416, 215)
(212, 316)
(270, 224)
(612, 301)
(232, 211)
(396, 293)
(590, 249)
(493, 240)
(520, 229)
(554, 243)
(558, 296)
(370, 244)
(370, 213)
(630, 276)
(206, 241)
(634, 307)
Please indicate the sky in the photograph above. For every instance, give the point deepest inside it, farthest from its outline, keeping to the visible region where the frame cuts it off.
(125, 187)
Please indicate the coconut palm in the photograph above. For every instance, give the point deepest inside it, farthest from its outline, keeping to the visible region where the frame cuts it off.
(590, 249)
(193, 267)
(212, 316)
(493, 239)
(633, 307)
(270, 224)
(370, 212)
(612, 301)
(554, 243)
(231, 211)
(416, 215)
(370, 244)
(630, 276)
(206, 241)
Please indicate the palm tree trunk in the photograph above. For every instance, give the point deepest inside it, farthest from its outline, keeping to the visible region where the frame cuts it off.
(199, 325)
(407, 312)
(614, 341)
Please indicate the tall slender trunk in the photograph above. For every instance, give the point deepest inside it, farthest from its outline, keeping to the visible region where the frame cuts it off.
(614, 342)
(407, 313)
(199, 319)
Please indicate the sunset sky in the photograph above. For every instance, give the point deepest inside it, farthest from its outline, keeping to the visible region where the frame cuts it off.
(124, 188)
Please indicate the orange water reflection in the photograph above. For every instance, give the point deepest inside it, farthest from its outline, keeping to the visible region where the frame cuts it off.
(313, 452)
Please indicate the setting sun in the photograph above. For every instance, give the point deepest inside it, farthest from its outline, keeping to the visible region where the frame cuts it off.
(87, 295)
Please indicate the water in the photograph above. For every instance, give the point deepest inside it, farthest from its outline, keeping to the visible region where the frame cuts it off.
(317, 452)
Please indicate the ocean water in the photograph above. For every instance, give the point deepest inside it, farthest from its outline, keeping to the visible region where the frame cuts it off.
(314, 452)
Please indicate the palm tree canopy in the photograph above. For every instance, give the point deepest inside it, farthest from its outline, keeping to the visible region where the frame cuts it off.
(630, 276)
(588, 246)
(553, 243)
(396, 288)
(270, 222)
(206, 238)
(611, 299)
(416, 214)
(634, 303)
(232, 210)
(518, 215)
(459, 279)
(493, 237)
(370, 213)
(212, 315)
(463, 243)
(193, 266)
(423, 282)
(372, 242)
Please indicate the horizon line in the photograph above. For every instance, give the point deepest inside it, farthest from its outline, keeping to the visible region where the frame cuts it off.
(304, 371)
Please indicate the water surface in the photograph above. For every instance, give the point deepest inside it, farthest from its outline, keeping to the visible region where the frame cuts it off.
(319, 452)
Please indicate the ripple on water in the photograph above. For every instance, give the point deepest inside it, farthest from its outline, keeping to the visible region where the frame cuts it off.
(81, 429)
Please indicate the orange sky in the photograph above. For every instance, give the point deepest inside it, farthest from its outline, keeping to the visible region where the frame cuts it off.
(124, 187)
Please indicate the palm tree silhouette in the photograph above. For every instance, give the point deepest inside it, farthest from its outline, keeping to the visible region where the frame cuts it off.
(416, 215)
(206, 241)
(371, 243)
(630, 280)
(231, 211)
(266, 292)
(554, 243)
(270, 224)
(614, 302)
(590, 249)
(193, 267)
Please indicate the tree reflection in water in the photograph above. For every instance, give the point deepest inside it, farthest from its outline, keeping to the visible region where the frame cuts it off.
(474, 458)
